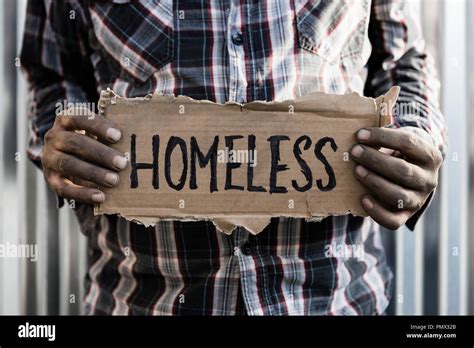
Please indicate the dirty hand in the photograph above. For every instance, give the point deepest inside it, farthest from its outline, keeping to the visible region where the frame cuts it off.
(400, 177)
(75, 164)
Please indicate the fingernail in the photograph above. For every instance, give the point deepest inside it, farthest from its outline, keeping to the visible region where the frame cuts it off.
(113, 134)
(357, 151)
(120, 162)
(363, 134)
(367, 202)
(111, 178)
(361, 171)
(98, 197)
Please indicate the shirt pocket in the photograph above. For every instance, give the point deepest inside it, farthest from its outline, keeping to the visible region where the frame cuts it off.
(335, 30)
(135, 37)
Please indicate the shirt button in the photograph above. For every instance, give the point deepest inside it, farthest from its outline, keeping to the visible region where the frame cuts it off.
(246, 249)
(237, 38)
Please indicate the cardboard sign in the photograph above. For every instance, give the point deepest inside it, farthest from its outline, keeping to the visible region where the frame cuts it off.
(239, 165)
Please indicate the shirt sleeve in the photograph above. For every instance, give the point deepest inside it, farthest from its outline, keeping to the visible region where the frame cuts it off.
(53, 65)
(399, 58)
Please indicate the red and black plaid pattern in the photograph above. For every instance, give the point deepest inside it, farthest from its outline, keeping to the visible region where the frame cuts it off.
(242, 51)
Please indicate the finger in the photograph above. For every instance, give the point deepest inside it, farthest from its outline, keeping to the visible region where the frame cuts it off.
(85, 183)
(407, 142)
(395, 169)
(389, 152)
(84, 119)
(66, 189)
(90, 135)
(392, 196)
(89, 150)
(72, 167)
(384, 217)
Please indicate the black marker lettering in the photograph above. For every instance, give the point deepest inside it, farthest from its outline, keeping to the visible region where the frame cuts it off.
(229, 144)
(211, 156)
(318, 152)
(172, 143)
(250, 186)
(275, 150)
(137, 166)
(304, 166)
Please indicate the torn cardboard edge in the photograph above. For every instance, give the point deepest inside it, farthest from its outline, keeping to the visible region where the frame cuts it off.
(327, 105)
(224, 224)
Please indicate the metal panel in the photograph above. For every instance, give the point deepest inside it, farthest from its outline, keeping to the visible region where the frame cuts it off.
(11, 170)
(454, 186)
(470, 90)
(409, 270)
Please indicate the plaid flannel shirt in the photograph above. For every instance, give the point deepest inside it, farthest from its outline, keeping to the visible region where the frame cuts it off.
(230, 50)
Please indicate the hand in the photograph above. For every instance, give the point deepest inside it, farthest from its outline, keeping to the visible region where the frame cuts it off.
(75, 164)
(400, 176)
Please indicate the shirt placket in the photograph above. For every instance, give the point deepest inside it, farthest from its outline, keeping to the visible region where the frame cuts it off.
(244, 253)
(237, 43)
(236, 48)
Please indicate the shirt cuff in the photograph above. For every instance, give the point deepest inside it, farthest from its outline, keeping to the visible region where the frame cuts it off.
(411, 222)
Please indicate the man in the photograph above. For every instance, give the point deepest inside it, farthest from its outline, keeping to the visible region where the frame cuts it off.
(240, 51)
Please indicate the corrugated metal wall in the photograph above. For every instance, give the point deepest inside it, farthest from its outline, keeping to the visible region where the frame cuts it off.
(53, 284)
(434, 274)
